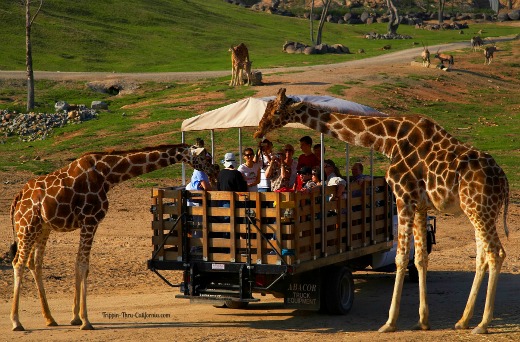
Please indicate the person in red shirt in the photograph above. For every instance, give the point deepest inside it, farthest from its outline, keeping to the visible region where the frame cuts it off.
(307, 158)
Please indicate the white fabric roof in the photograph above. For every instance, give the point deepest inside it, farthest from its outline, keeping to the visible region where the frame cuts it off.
(249, 111)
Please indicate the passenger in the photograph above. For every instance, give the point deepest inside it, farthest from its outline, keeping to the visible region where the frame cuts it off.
(229, 178)
(306, 176)
(358, 177)
(317, 151)
(316, 176)
(264, 156)
(250, 170)
(308, 158)
(283, 170)
(357, 174)
(333, 177)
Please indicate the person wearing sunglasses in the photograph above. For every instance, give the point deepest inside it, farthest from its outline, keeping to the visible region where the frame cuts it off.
(250, 170)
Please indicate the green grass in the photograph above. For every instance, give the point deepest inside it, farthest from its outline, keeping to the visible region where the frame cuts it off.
(143, 36)
(139, 36)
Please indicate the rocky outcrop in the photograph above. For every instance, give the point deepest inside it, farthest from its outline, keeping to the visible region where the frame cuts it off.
(296, 47)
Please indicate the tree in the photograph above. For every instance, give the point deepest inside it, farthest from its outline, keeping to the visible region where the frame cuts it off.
(28, 51)
(324, 11)
(441, 10)
(393, 22)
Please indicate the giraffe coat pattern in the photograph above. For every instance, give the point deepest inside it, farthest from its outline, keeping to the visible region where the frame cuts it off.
(429, 169)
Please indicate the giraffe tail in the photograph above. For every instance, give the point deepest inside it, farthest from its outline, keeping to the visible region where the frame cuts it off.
(14, 246)
(506, 207)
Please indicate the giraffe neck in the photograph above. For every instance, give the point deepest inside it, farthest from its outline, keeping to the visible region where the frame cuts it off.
(117, 167)
(379, 133)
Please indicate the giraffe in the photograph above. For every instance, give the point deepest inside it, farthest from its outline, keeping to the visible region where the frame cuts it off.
(75, 197)
(429, 169)
(239, 62)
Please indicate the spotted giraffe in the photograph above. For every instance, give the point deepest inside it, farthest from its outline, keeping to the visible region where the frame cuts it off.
(75, 197)
(429, 169)
(239, 63)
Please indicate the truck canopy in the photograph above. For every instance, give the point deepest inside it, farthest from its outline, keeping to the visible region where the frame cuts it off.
(249, 111)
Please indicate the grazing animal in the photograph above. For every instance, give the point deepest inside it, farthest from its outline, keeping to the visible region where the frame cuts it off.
(75, 197)
(239, 56)
(488, 53)
(444, 58)
(425, 55)
(476, 43)
(429, 169)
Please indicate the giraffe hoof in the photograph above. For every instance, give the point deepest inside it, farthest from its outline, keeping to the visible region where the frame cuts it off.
(76, 321)
(18, 328)
(387, 328)
(461, 326)
(421, 326)
(479, 330)
(52, 323)
(87, 326)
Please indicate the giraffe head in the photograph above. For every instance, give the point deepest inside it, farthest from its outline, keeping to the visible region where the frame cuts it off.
(275, 115)
(201, 159)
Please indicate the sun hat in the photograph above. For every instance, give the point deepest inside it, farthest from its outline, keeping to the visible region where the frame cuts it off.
(229, 160)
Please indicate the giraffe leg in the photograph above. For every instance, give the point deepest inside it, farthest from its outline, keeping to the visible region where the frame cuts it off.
(495, 261)
(79, 309)
(491, 258)
(401, 262)
(18, 267)
(19, 261)
(35, 265)
(480, 271)
(421, 263)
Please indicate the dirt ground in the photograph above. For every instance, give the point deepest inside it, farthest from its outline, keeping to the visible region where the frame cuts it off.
(128, 302)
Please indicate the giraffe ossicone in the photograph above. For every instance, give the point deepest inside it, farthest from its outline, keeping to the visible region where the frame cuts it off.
(429, 169)
(75, 197)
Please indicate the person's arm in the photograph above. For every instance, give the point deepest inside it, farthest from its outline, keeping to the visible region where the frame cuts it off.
(257, 180)
(206, 185)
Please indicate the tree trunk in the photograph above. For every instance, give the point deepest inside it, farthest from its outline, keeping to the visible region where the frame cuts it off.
(311, 20)
(324, 12)
(393, 23)
(441, 11)
(28, 57)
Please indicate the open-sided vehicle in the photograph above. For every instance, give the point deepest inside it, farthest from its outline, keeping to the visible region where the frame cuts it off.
(294, 245)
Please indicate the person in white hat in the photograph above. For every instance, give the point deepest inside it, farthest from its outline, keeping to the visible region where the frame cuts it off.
(229, 178)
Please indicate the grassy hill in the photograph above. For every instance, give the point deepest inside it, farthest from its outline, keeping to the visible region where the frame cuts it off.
(168, 35)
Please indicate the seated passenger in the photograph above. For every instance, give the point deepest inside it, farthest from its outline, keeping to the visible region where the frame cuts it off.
(250, 170)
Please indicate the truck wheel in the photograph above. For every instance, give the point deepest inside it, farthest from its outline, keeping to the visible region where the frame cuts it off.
(429, 241)
(236, 305)
(339, 290)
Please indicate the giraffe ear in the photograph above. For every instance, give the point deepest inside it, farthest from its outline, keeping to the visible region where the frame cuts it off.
(197, 150)
(281, 95)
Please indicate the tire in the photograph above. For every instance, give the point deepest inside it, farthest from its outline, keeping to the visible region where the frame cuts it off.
(429, 242)
(338, 287)
(236, 305)
(413, 274)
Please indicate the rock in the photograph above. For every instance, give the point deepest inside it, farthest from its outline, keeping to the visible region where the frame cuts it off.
(99, 105)
(61, 106)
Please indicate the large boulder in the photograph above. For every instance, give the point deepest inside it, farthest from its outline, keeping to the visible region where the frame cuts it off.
(99, 105)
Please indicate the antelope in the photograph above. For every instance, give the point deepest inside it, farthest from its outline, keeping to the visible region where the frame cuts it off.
(476, 43)
(444, 58)
(425, 55)
(488, 53)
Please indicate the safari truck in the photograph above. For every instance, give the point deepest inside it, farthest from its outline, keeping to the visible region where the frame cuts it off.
(299, 246)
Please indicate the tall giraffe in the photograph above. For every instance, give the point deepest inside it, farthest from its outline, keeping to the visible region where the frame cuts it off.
(429, 168)
(75, 197)
(240, 63)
